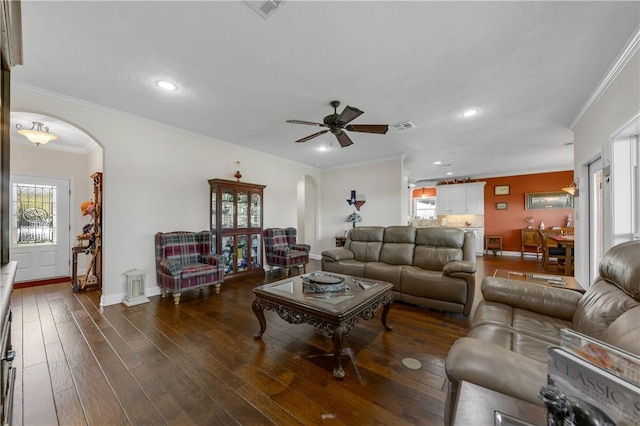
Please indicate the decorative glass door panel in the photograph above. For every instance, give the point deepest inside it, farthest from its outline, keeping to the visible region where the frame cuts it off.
(256, 212)
(34, 214)
(243, 210)
(228, 209)
(228, 253)
(214, 212)
(256, 251)
(243, 251)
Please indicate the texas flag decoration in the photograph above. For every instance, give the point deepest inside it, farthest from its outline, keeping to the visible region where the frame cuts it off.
(357, 201)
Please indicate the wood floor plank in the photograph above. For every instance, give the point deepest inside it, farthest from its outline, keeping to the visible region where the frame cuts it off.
(161, 397)
(58, 368)
(196, 403)
(32, 344)
(99, 403)
(38, 396)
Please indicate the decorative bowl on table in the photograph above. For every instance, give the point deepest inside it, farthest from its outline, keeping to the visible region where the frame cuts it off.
(321, 282)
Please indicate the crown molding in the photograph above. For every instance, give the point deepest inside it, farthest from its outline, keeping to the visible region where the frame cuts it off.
(618, 65)
(116, 112)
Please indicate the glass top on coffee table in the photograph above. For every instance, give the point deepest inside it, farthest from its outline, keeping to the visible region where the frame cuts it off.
(541, 278)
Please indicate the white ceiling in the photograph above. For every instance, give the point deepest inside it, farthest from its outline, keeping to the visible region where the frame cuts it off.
(529, 67)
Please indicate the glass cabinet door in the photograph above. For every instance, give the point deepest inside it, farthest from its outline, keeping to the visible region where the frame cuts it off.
(214, 201)
(256, 251)
(243, 251)
(228, 253)
(228, 209)
(255, 211)
(243, 210)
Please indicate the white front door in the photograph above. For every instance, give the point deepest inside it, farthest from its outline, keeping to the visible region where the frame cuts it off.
(40, 234)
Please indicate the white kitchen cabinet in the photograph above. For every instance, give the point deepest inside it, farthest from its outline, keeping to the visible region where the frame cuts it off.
(462, 198)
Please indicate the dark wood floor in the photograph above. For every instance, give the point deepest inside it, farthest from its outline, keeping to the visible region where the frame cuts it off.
(198, 363)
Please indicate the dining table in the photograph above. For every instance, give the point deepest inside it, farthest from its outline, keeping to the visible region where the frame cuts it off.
(566, 241)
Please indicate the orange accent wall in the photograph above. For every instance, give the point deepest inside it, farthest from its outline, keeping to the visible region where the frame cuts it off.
(508, 223)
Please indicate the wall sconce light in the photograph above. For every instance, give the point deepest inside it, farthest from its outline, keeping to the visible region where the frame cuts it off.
(572, 188)
(135, 288)
(38, 134)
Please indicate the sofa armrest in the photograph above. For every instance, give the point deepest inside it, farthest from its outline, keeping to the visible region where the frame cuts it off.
(494, 367)
(170, 267)
(301, 247)
(338, 254)
(459, 266)
(543, 299)
(212, 259)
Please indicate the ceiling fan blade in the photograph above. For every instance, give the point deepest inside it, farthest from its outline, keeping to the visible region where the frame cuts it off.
(344, 139)
(310, 123)
(380, 129)
(349, 114)
(312, 136)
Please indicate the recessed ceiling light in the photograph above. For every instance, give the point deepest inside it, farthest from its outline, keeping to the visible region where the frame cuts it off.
(167, 85)
(469, 113)
(449, 173)
(323, 148)
(437, 162)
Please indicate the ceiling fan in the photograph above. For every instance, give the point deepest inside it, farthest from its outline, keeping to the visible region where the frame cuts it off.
(338, 123)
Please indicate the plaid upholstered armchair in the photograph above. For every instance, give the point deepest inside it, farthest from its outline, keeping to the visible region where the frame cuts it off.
(282, 250)
(184, 262)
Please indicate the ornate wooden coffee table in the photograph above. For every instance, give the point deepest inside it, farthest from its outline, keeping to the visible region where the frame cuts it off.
(333, 312)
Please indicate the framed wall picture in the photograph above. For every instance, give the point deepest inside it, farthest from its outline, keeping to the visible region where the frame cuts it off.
(501, 190)
(548, 200)
(501, 206)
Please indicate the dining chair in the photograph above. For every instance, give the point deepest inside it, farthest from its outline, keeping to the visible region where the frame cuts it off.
(552, 255)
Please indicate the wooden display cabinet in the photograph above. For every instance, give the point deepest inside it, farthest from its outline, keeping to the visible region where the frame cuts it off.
(236, 225)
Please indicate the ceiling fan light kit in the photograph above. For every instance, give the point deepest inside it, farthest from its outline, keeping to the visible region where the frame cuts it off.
(338, 123)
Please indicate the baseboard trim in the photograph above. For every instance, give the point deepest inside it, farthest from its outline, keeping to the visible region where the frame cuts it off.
(36, 283)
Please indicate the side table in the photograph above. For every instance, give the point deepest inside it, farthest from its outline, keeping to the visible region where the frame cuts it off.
(478, 406)
(340, 241)
(493, 243)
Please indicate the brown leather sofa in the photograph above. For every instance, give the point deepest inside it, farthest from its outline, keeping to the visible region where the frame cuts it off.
(506, 348)
(431, 267)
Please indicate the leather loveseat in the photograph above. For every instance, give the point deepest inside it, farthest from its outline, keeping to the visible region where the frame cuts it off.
(431, 267)
(506, 348)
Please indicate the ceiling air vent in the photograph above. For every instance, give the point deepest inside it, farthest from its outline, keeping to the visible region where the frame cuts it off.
(264, 8)
(403, 126)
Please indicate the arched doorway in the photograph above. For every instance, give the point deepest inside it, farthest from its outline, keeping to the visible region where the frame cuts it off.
(48, 183)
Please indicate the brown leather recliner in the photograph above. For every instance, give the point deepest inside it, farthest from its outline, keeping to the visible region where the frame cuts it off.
(506, 348)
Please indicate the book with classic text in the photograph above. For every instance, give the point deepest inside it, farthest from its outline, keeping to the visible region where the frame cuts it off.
(580, 393)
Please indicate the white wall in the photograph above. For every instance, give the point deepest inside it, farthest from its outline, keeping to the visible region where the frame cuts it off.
(380, 182)
(615, 107)
(155, 179)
